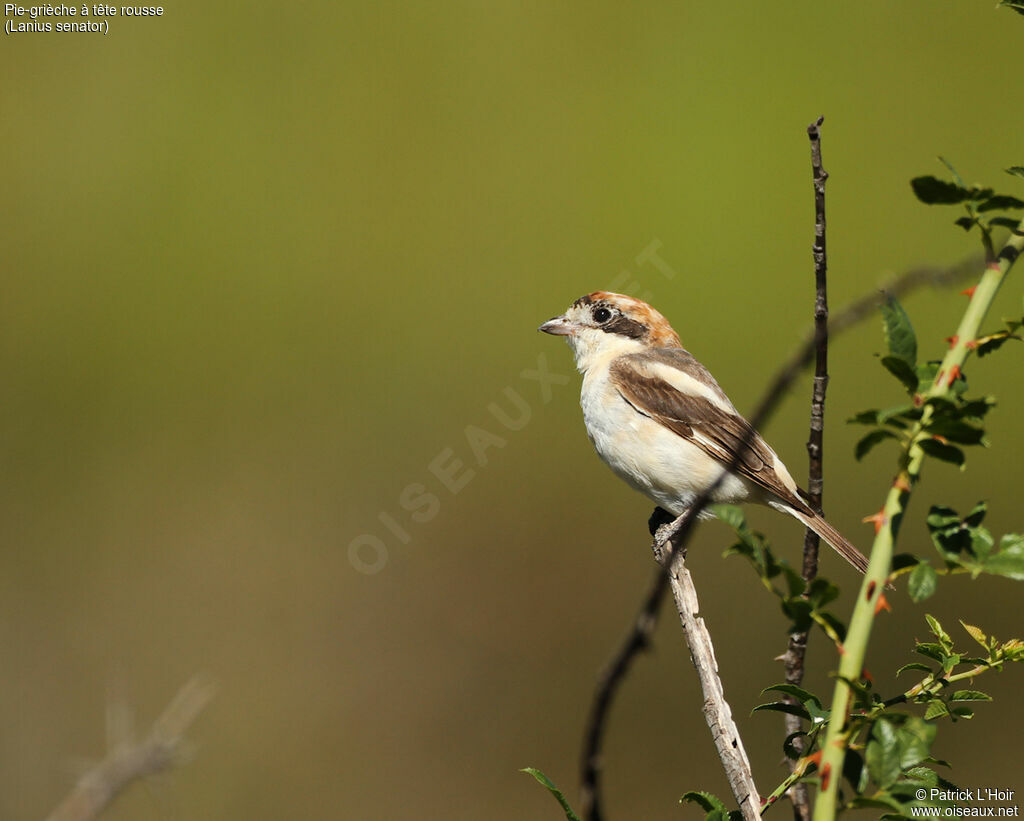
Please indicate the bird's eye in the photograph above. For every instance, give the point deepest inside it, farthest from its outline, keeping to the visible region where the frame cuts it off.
(602, 315)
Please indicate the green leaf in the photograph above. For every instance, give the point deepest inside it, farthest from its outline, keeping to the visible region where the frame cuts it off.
(976, 633)
(899, 416)
(822, 592)
(902, 370)
(914, 740)
(977, 408)
(1016, 5)
(883, 754)
(904, 560)
(956, 430)
(1004, 222)
(927, 371)
(931, 650)
(783, 707)
(938, 632)
(956, 176)
(914, 665)
(899, 333)
(799, 693)
(977, 514)
(944, 521)
(705, 800)
(1016, 170)
(924, 775)
(557, 793)
(933, 191)
(833, 627)
(819, 715)
(866, 443)
(962, 712)
(970, 695)
(941, 517)
(868, 417)
(993, 343)
(967, 223)
(855, 771)
(1013, 650)
(981, 542)
(943, 452)
(922, 582)
(712, 805)
(794, 581)
(940, 762)
(732, 515)
(936, 709)
(1008, 561)
(1000, 201)
(789, 747)
(799, 611)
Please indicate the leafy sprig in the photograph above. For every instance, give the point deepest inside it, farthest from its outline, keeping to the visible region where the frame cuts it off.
(940, 424)
(984, 207)
(944, 411)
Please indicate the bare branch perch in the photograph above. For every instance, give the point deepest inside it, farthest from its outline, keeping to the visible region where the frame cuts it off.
(128, 762)
(724, 731)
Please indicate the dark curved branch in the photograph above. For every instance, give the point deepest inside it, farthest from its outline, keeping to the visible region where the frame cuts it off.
(636, 641)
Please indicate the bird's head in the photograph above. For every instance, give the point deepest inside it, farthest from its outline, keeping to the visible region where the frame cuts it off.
(605, 324)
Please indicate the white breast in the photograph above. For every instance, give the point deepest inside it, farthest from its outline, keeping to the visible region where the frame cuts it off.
(668, 469)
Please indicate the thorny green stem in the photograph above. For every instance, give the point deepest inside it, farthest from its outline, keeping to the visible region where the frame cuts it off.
(851, 662)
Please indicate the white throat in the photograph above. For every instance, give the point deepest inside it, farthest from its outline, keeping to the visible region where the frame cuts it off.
(591, 347)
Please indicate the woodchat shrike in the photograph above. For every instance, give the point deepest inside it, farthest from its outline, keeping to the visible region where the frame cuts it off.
(658, 418)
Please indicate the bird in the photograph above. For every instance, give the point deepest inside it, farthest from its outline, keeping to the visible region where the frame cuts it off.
(660, 421)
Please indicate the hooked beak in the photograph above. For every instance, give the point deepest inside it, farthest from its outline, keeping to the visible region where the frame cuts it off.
(559, 326)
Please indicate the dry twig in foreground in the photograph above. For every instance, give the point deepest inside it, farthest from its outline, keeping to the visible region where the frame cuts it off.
(128, 762)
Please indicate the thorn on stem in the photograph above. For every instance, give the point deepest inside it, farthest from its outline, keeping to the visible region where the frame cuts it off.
(882, 604)
(969, 292)
(954, 374)
(879, 519)
(952, 340)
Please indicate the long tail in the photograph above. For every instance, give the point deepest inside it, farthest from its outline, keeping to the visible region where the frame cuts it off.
(835, 539)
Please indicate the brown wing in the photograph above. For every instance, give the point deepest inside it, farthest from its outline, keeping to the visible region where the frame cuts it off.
(718, 432)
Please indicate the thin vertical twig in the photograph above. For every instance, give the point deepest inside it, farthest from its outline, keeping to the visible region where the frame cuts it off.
(797, 648)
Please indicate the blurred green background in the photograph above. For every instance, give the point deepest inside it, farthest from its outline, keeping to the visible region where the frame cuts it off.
(263, 266)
